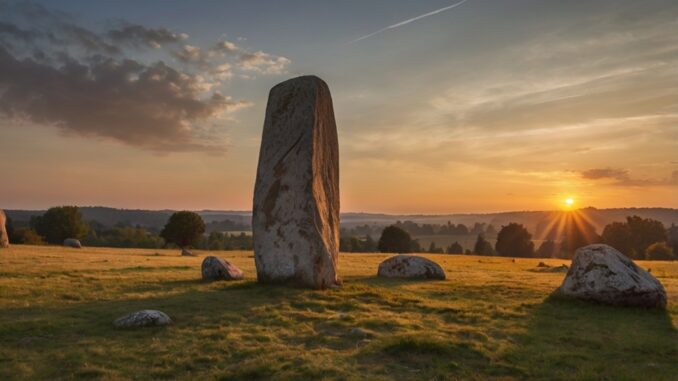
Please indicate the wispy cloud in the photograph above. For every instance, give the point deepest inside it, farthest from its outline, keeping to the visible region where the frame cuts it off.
(405, 22)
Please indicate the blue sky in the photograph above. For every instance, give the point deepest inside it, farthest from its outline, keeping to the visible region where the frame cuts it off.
(491, 105)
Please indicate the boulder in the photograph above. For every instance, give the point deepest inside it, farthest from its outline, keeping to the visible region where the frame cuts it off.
(143, 318)
(295, 221)
(187, 253)
(410, 266)
(72, 242)
(601, 273)
(214, 268)
(4, 239)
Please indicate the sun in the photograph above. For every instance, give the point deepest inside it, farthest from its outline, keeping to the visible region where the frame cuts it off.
(569, 202)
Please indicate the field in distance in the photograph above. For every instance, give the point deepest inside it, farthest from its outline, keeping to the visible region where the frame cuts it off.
(490, 319)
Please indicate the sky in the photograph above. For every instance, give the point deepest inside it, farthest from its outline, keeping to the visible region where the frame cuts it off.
(441, 106)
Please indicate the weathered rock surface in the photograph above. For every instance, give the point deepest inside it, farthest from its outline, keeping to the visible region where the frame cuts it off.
(143, 318)
(601, 273)
(187, 253)
(72, 242)
(214, 268)
(410, 266)
(295, 220)
(4, 239)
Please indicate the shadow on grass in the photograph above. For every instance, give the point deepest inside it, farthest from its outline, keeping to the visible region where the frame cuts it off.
(570, 339)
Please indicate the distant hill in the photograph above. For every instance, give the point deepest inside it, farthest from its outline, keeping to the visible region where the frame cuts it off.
(155, 219)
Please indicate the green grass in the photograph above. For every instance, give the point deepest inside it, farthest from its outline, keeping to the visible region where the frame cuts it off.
(491, 319)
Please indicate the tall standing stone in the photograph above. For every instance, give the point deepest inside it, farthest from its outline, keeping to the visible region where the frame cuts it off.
(295, 222)
(4, 239)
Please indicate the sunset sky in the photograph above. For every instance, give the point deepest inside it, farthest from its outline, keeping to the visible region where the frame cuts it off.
(484, 106)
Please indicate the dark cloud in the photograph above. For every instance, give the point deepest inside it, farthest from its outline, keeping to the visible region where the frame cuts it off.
(621, 177)
(140, 36)
(55, 72)
(149, 106)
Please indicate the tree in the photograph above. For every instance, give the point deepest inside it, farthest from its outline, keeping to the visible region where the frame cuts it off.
(455, 248)
(482, 246)
(59, 223)
(183, 229)
(394, 240)
(634, 236)
(659, 251)
(514, 240)
(434, 249)
(370, 244)
(547, 249)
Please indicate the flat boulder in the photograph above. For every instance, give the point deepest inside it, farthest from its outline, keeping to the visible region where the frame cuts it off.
(602, 274)
(295, 216)
(4, 239)
(215, 268)
(72, 242)
(410, 267)
(143, 318)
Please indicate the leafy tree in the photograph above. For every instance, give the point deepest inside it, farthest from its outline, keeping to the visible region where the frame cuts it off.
(547, 249)
(634, 236)
(183, 229)
(59, 223)
(394, 240)
(482, 246)
(27, 236)
(659, 251)
(455, 248)
(514, 241)
(434, 249)
(491, 231)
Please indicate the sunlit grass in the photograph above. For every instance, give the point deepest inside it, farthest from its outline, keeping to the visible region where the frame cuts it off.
(489, 320)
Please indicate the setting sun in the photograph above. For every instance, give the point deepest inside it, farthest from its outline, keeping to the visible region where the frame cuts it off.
(569, 201)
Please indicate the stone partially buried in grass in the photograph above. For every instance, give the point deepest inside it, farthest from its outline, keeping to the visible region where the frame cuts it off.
(601, 273)
(143, 318)
(215, 268)
(410, 267)
(72, 242)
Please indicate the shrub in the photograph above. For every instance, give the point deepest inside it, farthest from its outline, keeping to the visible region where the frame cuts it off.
(659, 251)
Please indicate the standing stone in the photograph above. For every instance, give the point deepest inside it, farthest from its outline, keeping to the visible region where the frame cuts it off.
(4, 239)
(295, 222)
(601, 273)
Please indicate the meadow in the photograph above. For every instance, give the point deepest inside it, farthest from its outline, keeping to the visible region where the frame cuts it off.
(491, 319)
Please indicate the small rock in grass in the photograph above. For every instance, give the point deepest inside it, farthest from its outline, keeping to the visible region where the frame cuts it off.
(143, 318)
(358, 332)
(410, 266)
(214, 268)
(187, 253)
(72, 242)
(542, 264)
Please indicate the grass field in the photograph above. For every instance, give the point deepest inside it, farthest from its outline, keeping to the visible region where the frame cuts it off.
(490, 320)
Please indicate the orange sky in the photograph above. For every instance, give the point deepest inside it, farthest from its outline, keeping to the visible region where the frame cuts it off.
(482, 108)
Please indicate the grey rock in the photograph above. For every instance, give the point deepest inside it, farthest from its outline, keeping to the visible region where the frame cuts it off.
(187, 253)
(410, 266)
(143, 318)
(72, 242)
(601, 273)
(4, 239)
(359, 332)
(214, 268)
(295, 221)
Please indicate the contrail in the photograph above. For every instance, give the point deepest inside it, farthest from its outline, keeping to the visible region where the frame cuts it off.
(409, 21)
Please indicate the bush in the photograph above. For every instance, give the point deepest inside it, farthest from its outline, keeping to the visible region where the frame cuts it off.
(59, 223)
(183, 229)
(514, 240)
(27, 236)
(455, 248)
(394, 240)
(482, 246)
(660, 251)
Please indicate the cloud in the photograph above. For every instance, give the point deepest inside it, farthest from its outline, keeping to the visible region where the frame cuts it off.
(621, 177)
(57, 73)
(263, 63)
(138, 35)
